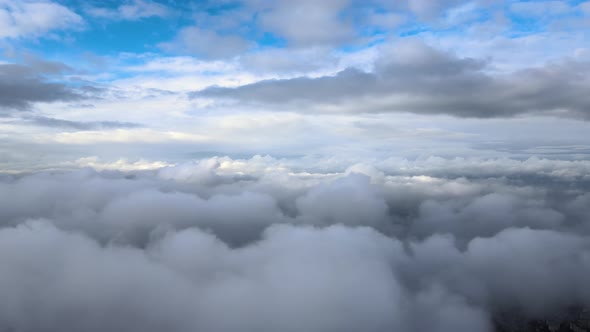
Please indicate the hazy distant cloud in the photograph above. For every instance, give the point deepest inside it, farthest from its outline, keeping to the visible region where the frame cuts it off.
(43, 66)
(22, 19)
(78, 125)
(305, 23)
(388, 21)
(131, 10)
(262, 191)
(428, 9)
(413, 77)
(118, 165)
(289, 60)
(540, 8)
(20, 87)
(207, 44)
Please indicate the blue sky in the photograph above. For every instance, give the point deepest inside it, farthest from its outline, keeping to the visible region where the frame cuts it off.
(167, 80)
(104, 28)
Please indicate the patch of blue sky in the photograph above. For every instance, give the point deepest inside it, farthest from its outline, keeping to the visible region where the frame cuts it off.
(127, 36)
(267, 40)
(523, 27)
(529, 22)
(217, 7)
(575, 2)
(104, 36)
(108, 39)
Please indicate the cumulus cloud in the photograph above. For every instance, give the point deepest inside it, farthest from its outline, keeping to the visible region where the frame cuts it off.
(414, 77)
(258, 245)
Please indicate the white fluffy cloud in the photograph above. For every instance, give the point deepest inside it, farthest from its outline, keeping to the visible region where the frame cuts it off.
(22, 19)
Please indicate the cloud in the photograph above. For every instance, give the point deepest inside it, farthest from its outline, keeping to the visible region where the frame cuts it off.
(166, 286)
(323, 21)
(387, 21)
(119, 165)
(413, 77)
(331, 235)
(21, 86)
(206, 44)
(32, 19)
(435, 14)
(117, 133)
(426, 9)
(44, 66)
(78, 125)
(255, 245)
(344, 201)
(299, 60)
(131, 10)
(540, 8)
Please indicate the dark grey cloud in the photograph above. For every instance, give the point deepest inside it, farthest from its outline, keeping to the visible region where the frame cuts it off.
(227, 245)
(302, 89)
(21, 86)
(417, 78)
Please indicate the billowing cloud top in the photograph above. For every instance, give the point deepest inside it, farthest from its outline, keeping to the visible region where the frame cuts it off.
(257, 245)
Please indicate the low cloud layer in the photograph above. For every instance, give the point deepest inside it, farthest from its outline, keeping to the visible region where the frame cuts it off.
(258, 245)
(413, 77)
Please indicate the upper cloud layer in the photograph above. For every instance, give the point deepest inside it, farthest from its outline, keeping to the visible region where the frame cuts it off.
(413, 77)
